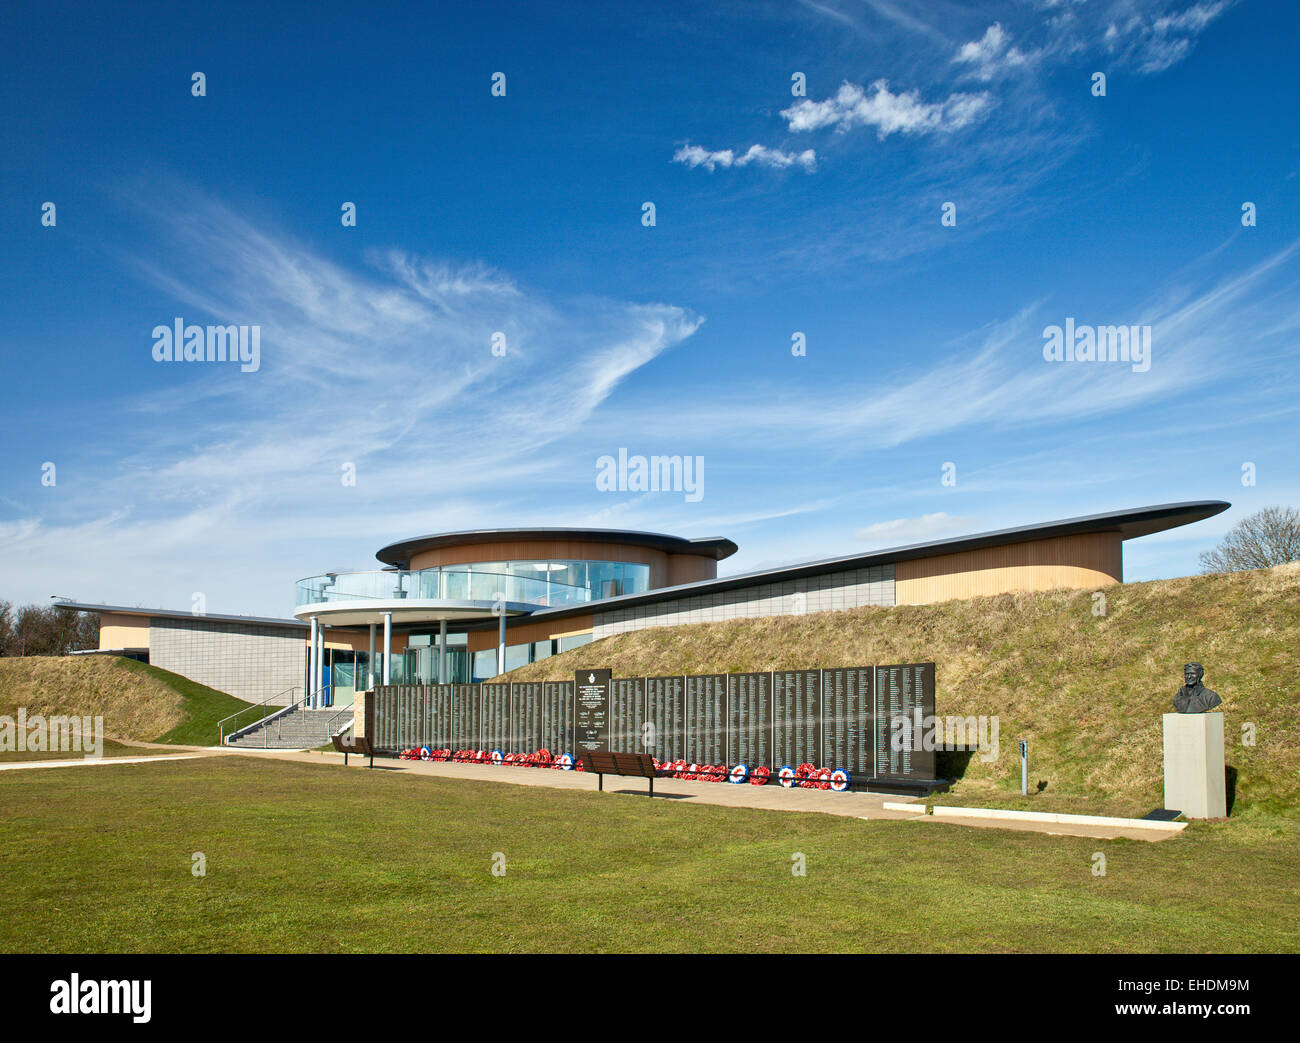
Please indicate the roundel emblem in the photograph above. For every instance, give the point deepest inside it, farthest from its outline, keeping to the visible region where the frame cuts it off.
(786, 776)
(738, 774)
(839, 780)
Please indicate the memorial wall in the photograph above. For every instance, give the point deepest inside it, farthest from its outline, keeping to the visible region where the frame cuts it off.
(845, 717)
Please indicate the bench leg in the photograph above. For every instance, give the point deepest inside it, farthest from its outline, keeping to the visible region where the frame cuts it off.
(345, 758)
(600, 783)
(652, 787)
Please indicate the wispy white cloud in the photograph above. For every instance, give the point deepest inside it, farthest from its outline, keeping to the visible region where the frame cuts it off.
(992, 55)
(997, 378)
(914, 530)
(852, 106)
(217, 480)
(761, 155)
(1152, 40)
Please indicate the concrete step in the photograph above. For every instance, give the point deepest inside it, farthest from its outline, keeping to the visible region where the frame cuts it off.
(294, 730)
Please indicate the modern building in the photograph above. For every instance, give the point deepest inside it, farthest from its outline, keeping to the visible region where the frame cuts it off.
(465, 606)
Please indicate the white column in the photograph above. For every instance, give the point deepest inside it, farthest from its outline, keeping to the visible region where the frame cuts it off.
(319, 681)
(442, 652)
(501, 642)
(388, 644)
(370, 663)
(311, 658)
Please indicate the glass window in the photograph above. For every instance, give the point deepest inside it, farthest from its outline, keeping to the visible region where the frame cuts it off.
(606, 579)
(574, 641)
(543, 649)
(485, 664)
(517, 656)
(636, 579)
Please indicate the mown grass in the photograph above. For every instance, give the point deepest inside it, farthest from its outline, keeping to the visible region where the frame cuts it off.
(1086, 690)
(138, 702)
(316, 858)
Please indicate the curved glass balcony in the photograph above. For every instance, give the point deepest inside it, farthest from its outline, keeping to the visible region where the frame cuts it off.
(456, 584)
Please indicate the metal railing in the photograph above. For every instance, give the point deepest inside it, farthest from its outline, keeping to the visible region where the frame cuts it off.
(526, 582)
(221, 724)
(319, 695)
(333, 722)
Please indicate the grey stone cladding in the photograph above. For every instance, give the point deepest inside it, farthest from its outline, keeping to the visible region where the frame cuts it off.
(252, 663)
(830, 592)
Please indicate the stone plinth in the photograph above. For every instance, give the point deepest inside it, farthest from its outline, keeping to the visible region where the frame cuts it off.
(1194, 775)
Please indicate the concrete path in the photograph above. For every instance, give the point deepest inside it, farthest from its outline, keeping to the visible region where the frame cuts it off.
(769, 797)
(82, 761)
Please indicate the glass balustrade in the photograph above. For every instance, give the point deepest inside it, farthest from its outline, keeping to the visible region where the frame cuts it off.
(528, 582)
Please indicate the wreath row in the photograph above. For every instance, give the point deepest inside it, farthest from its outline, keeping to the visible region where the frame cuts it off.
(805, 776)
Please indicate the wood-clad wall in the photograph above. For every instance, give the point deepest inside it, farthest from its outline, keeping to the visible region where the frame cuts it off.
(1074, 562)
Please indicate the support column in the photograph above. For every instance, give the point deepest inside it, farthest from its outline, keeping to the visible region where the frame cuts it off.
(311, 658)
(318, 682)
(388, 645)
(501, 643)
(442, 652)
(370, 663)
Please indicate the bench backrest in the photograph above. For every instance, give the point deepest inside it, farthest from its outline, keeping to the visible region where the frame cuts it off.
(348, 744)
(608, 763)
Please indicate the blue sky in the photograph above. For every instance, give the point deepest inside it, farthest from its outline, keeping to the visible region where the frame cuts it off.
(522, 214)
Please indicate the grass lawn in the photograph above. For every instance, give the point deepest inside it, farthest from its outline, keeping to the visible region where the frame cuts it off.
(305, 857)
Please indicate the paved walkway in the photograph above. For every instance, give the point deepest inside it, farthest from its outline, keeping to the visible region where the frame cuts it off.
(770, 797)
(82, 761)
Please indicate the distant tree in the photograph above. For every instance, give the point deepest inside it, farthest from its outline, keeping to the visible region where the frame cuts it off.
(1266, 538)
(6, 627)
(45, 630)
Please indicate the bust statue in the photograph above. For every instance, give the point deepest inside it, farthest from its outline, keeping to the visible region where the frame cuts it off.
(1194, 697)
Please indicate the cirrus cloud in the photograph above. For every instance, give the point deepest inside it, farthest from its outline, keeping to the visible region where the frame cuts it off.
(773, 158)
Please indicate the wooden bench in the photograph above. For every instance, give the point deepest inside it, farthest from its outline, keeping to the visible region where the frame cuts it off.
(346, 744)
(634, 765)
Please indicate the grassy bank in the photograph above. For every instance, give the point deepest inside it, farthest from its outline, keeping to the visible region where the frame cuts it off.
(1086, 690)
(138, 702)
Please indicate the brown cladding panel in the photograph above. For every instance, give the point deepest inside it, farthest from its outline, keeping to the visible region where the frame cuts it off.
(1073, 562)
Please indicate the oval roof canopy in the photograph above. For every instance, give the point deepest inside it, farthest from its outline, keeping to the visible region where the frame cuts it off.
(714, 547)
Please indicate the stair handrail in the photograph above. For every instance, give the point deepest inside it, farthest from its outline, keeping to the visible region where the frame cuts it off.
(329, 730)
(221, 724)
(307, 700)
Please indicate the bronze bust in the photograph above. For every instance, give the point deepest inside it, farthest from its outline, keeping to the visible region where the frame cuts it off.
(1194, 697)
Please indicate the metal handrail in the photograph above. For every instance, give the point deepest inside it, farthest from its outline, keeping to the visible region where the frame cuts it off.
(348, 710)
(221, 724)
(306, 705)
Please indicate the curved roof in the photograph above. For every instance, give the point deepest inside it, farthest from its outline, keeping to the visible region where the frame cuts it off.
(1141, 521)
(714, 547)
